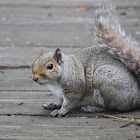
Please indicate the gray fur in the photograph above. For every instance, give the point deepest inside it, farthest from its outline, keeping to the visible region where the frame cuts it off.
(95, 73)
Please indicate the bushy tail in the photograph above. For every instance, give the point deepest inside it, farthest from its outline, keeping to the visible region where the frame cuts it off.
(107, 32)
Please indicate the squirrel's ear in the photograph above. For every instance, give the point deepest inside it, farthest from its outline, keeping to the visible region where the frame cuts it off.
(41, 52)
(58, 56)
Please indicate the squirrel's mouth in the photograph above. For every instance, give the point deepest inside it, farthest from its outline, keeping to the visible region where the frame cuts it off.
(41, 83)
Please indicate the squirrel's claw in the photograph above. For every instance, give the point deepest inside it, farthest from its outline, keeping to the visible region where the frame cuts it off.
(51, 106)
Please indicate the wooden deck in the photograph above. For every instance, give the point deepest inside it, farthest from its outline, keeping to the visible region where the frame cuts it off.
(24, 25)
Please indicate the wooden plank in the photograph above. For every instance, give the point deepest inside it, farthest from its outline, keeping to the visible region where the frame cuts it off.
(62, 35)
(32, 16)
(20, 95)
(18, 80)
(65, 3)
(27, 102)
(21, 127)
(58, 27)
(25, 56)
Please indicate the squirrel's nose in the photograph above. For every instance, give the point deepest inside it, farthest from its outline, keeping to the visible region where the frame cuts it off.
(35, 78)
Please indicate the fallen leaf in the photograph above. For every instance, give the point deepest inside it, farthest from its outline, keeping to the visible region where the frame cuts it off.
(23, 61)
(81, 9)
(137, 121)
(71, 47)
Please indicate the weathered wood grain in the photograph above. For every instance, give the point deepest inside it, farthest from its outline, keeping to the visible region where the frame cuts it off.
(18, 80)
(59, 35)
(24, 127)
(54, 25)
(28, 102)
(66, 3)
(24, 56)
(33, 16)
(25, 102)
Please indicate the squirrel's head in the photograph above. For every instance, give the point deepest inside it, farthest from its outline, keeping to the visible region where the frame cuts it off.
(46, 68)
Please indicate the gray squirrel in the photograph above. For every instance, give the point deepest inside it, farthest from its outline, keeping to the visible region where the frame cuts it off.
(100, 78)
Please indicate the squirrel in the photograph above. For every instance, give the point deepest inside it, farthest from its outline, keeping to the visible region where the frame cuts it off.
(100, 78)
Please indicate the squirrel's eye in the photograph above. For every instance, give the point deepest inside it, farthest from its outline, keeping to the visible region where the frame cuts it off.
(50, 66)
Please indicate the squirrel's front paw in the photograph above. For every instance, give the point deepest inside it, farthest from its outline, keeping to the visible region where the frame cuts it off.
(51, 106)
(58, 113)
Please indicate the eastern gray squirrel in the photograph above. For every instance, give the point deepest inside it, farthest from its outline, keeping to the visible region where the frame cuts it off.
(104, 77)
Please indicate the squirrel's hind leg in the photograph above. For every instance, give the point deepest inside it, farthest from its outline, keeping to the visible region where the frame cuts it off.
(118, 87)
(93, 109)
(96, 104)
